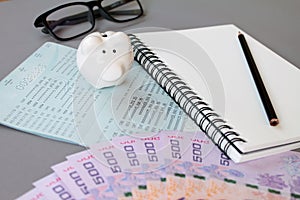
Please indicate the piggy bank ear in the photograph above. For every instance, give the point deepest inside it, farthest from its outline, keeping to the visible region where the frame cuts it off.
(89, 43)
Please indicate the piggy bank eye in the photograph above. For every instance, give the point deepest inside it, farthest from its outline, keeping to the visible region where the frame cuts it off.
(103, 51)
(114, 51)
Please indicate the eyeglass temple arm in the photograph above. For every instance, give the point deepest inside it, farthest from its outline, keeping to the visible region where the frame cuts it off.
(116, 4)
(81, 17)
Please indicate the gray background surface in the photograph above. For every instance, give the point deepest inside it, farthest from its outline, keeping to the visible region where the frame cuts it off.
(25, 158)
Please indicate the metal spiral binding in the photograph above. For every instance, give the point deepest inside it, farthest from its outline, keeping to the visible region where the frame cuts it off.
(205, 117)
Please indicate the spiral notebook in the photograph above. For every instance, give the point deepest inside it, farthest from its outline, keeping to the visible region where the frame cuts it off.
(242, 130)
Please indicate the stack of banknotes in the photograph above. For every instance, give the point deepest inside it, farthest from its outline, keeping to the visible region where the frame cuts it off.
(167, 165)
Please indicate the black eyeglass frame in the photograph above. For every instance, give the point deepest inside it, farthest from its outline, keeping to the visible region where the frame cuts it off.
(41, 21)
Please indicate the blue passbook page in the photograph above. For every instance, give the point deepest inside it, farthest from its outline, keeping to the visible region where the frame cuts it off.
(45, 95)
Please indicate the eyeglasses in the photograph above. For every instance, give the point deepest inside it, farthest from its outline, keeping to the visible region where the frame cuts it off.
(75, 19)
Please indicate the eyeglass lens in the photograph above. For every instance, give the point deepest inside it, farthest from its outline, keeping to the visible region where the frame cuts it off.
(122, 10)
(70, 21)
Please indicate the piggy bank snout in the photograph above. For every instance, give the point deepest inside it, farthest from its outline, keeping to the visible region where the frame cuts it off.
(117, 69)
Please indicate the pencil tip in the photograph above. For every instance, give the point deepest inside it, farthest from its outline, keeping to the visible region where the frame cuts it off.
(274, 122)
(240, 33)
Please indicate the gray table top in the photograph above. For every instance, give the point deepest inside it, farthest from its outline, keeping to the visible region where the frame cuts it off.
(26, 158)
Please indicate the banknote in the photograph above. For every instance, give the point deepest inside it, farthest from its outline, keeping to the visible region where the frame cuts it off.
(115, 167)
(92, 174)
(33, 194)
(157, 189)
(72, 179)
(53, 188)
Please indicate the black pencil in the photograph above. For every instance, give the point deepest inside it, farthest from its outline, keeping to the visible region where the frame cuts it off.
(269, 109)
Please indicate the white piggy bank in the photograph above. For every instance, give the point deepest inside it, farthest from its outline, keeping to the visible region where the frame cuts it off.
(104, 59)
